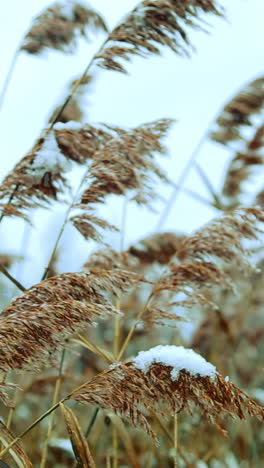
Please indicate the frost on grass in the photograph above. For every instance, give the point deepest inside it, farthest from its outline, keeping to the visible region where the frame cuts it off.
(177, 357)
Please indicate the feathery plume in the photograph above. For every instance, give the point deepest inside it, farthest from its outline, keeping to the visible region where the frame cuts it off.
(107, 259)
(239, 113)
(36, 323)
(168, 379)
(59, 26)
(125, 163)
(39, 177)
(203, 256)
(157, 248)
(151, 25)
(242, 165)
(239, 122)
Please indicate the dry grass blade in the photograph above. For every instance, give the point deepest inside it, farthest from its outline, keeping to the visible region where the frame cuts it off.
(79, 443)
(151, 25)
(167, 379)
(35, 324)
(239, 113)
(18, 454)
(59, 26)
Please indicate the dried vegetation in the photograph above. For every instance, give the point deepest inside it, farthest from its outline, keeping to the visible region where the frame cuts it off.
(52, 355)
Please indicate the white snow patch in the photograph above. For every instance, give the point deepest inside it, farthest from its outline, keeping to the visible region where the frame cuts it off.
(71, 125)
(49, 159)
(227, 379)
(177, 357)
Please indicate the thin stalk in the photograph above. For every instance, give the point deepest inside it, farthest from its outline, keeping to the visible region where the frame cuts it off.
(9, 76)
(74, 89)
(137, 320)
(208, 185)
(132, 329)
(108, 461)
(116, 351)
(66, 219)
(91, 424)
(13, 407)
(199, 197)
(117, 330)
(23, 251)
(53, 253)
(11, 278)
(115, 447)
(51, 421)
(182, 178)
(170, 438)
(175, 440)
(94, 348)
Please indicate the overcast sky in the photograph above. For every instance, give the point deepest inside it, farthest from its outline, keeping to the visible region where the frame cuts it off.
(189, 90)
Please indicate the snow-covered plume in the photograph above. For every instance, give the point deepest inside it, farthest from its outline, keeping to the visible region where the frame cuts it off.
(49, 159)
(177, 357)
(71, 125)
